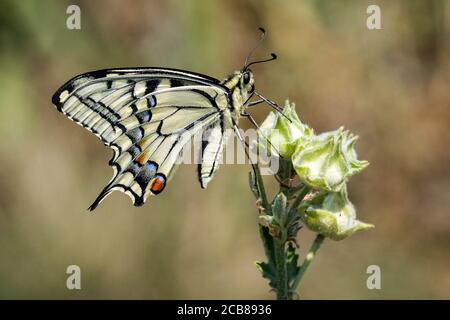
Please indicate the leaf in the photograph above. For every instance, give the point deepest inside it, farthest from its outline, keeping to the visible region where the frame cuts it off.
(268, 243)
(268, 271)
(279, 208)
(291, 263)
(280, 215)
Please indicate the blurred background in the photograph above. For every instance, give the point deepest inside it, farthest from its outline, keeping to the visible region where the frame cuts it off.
(389, 86)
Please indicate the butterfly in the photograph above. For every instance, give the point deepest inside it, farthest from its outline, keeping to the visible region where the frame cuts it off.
(147, 116)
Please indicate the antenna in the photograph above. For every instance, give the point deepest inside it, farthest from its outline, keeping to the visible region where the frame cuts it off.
(273, 56)
(247, 63)
(263, 35)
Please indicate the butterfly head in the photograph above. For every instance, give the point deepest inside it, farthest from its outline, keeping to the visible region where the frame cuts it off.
(243, 79)
(246, 81)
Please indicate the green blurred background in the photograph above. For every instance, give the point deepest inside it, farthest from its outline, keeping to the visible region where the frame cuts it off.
(389, 86)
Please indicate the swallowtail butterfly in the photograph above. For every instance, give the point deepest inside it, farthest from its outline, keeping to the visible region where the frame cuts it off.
(147, 115)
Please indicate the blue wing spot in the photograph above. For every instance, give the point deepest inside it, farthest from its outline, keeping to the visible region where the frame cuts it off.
(144, 116)
(147, 172)
(135, 134)
(134, 151)
(151, 100)
(133, 168)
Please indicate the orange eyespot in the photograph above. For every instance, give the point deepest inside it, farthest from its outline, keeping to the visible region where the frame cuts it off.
(158, 183)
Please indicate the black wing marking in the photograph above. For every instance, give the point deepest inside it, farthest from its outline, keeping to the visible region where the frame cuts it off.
(146, 116)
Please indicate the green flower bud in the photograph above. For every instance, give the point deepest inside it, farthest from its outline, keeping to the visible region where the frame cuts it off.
(327, 160)
(332, 215)
(284, 135)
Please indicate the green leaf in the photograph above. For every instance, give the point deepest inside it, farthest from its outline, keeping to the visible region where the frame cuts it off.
(292, 263)
(285, 221)
(269, 272)
(267, 243)
(279, 208)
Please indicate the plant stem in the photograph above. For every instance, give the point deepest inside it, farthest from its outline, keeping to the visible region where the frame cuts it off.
(286, 173)
(303, 192)
(264, 234)
(308, 259)
(282, 281)
(261, 188)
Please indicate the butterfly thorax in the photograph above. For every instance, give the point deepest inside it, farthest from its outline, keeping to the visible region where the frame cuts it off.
(241, 85)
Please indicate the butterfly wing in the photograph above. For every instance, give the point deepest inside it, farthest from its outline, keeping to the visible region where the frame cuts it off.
(214, 139)
(146, 116)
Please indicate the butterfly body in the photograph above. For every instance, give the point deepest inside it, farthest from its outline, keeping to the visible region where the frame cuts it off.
(147, 116)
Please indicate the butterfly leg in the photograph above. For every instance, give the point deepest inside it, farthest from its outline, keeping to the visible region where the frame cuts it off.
(254, 103)
(273, 105)
(252, 120)
(245, 145)
(249, 103)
